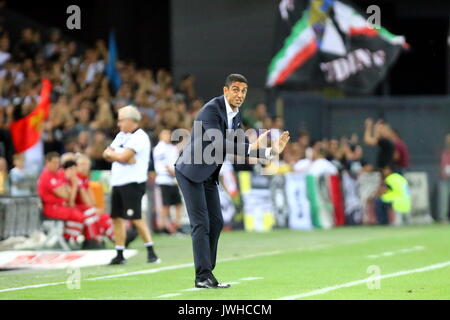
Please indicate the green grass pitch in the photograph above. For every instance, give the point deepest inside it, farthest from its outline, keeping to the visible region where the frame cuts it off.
(411, 262)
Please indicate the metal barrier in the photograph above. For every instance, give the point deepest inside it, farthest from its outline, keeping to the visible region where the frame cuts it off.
(19, 216)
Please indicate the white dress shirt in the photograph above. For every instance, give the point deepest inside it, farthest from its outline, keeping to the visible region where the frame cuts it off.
(230, 115)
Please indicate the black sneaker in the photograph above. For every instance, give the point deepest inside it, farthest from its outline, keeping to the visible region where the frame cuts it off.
(152, 257)
(118, 260)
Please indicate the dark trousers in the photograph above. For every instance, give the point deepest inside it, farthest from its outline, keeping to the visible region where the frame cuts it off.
(205, 216)
(381, 211)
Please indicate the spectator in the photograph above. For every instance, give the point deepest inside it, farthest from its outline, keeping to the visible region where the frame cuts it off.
(352, 159)
(304, 140)
(444, 183)
(335, 153)
(187, 87)
(277, 127)
(393, 193)
(21, 182)
(6, 143)
(257, 115)
(320, 165)
(4, 50)
(4, 188)
(401, 153)
(27, 47)
(164, 156)
(57, 193)
(52, 47)
(85, 200)
(95, 151)
(379, 135)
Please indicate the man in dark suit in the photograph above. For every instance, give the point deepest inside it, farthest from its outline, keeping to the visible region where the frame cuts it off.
(197, 170)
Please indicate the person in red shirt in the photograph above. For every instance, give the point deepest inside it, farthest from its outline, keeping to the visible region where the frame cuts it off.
(84, 199)
(401, 153)
(57, 193)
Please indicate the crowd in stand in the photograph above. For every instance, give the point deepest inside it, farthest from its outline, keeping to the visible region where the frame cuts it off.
(83, 113)
(84, 106)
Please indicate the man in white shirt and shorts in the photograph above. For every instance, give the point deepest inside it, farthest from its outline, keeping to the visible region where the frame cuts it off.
(165, 154)
(130, 156)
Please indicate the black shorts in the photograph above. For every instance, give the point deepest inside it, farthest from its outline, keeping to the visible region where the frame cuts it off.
(126, 201)
(170, 195)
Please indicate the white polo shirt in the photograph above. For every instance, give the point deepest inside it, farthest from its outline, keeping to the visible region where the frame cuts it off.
(164, 154)
(139, 142)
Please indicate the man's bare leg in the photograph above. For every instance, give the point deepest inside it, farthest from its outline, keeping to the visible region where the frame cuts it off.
(119, 231)
(178, 214)
(144, 232)
(119, 236)
(142, 228)
(164, 218)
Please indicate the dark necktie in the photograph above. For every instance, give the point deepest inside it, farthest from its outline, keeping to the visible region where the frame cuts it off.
(235, 122)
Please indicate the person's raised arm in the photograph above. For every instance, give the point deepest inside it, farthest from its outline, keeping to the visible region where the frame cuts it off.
(369, 138)
(87, 197)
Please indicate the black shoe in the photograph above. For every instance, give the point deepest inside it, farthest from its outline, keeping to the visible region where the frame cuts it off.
(118, 260)
(211, 283)
(152, 257)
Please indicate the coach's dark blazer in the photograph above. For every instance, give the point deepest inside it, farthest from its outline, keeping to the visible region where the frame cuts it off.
(213, 115)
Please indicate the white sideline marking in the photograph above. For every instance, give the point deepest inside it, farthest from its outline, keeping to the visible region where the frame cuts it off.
(251, 278)
(148, 271)
(187, 265)
(192, 289)
(389, 253)
(180, 266)
(168, 295)
(362, 281)
(33, 286)
(234, 282)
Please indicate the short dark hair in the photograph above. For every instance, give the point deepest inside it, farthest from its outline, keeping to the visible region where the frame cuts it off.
(68, 164)
(49, 156)
(235, 77)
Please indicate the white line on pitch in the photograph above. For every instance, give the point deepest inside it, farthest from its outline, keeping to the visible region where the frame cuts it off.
(148, 271)
(362, 281)
(187, 265)
(392, 253)
(251, 278)
(33, 286)
(191, 289)
(168, 295)
(197, 289)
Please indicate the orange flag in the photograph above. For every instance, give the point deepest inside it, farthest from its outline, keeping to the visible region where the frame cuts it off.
(26, 131)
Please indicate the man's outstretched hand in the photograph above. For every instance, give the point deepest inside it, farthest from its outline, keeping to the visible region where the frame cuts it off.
(261, 141)
(279, 144)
